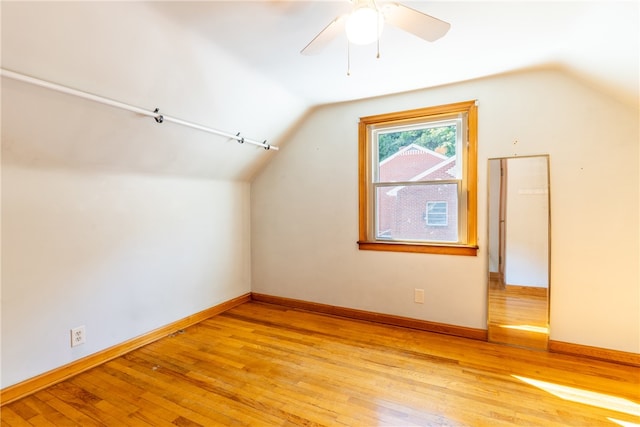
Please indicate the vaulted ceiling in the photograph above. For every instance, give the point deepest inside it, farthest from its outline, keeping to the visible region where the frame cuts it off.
(236, 66)
(596, 39)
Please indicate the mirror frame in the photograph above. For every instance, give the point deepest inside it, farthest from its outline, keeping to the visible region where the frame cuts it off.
(549, 246)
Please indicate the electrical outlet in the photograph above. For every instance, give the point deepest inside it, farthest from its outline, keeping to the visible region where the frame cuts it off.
(78, 336)
(418, 296)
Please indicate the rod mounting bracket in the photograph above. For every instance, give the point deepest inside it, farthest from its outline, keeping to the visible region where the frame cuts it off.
(158, 118)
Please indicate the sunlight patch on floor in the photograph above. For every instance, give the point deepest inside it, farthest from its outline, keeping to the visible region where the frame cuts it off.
(528, 328)
(586, 397)
(623, 423)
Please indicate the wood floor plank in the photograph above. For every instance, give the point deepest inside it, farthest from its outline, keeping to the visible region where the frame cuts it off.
(188, 401)
(264, 365)
(80, 416)
(46, 415)
(11, 418)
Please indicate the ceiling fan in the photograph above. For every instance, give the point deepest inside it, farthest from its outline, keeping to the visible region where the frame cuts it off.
(365, 22)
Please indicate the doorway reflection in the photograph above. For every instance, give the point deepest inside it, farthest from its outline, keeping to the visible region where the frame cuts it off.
(518, 291)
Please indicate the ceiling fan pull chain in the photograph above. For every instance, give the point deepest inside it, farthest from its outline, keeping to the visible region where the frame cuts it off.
(378, 29)
(348, 58)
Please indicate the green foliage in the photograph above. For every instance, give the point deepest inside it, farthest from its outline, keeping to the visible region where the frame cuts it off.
(443, 137)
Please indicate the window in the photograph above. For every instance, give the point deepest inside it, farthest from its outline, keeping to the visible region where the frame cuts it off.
(417, 180)
(437, 214)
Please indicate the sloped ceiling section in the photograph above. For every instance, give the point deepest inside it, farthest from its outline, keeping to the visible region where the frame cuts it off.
(236, 66)
(128, 51)
(596, 39)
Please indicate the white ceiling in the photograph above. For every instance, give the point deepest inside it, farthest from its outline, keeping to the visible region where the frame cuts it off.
(598, 40)
(236, 66)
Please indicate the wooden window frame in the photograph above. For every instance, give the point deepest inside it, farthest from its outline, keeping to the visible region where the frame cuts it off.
(366, 216)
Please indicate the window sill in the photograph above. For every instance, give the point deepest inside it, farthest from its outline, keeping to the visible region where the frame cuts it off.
(419, 248)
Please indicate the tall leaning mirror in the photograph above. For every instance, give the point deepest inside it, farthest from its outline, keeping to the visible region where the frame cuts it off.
(519, 251)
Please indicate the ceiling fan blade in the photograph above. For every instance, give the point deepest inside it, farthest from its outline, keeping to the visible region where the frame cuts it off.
(325, 36)
(415, 22)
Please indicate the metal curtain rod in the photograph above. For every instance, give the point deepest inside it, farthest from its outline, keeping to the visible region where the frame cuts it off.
(155, 114)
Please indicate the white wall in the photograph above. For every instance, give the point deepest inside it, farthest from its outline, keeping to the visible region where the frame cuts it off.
(122, 254)
(305, 215)
(131, 52)
(527, 223)
(109, 219)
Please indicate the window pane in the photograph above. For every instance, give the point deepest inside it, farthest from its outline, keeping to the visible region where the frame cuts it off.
(402, 212)
(423, 154)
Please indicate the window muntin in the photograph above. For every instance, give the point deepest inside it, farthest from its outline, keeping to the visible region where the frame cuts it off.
(410, 161)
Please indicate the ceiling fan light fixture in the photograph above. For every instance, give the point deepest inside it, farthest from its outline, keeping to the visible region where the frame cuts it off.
(364, 25)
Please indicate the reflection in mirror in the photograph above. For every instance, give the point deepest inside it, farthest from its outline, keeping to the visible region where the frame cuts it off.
(518, 296)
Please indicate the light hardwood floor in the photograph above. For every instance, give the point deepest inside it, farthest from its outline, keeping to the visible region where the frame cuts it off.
(518, 315)
(266, 365)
